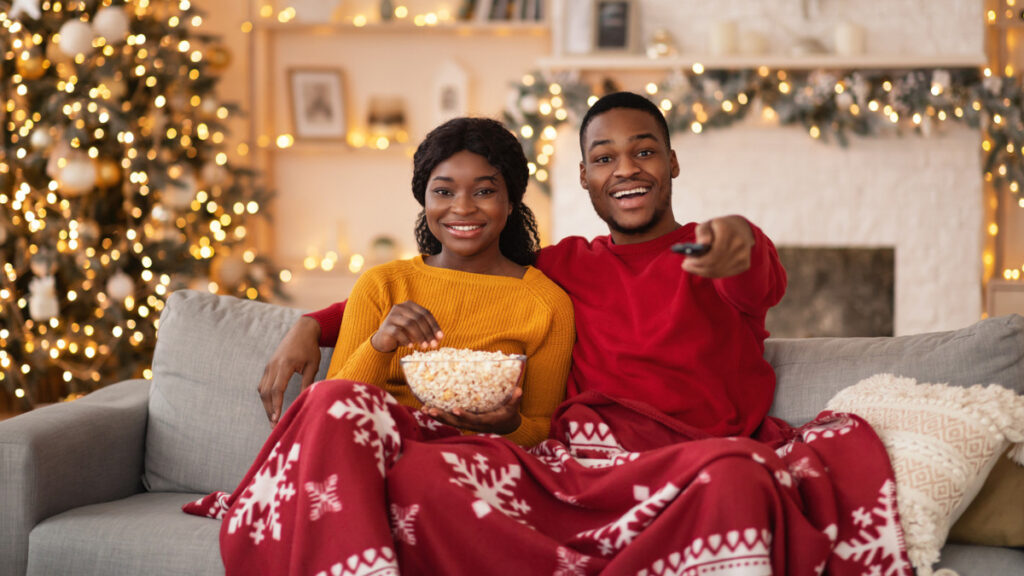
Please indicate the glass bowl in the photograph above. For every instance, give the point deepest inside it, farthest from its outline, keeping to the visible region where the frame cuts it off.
(472, 380)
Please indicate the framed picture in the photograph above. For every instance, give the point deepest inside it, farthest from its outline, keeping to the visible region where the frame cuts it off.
(615, 25)
(318, 103)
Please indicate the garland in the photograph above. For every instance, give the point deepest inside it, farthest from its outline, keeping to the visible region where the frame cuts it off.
(829, 105)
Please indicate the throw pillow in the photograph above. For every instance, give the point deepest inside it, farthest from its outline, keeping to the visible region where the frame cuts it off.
(942, 440)
(996, 516)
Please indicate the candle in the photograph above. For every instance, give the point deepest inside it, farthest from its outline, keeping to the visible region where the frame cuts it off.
(723, 38)
(849, 39)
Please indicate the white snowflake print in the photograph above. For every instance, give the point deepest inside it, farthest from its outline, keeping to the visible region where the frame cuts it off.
(375, 427)
(267, 491)
(877, 543)
(802, 468)
(587, 438)
(829, 427)
(323, 497)
(570, 562)
(425, 421)
(372, 562)
(492, 487)
(618, 534)
(403, 521)
(735, 553)
(552, 453)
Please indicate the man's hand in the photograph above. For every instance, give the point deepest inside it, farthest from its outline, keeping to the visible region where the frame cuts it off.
(731, 240)
(298, 352)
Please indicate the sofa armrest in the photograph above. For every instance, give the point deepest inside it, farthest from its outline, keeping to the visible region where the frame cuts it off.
(67, 455)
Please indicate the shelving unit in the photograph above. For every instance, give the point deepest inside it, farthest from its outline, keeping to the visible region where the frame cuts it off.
(630, 62)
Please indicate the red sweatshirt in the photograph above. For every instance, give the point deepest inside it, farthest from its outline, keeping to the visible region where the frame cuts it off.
(648, 331)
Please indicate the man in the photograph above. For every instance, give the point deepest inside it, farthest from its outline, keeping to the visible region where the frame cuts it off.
(694, 348)
(662, 460)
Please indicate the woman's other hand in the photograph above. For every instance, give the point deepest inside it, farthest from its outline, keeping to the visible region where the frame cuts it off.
(503, 420)
(298, 352)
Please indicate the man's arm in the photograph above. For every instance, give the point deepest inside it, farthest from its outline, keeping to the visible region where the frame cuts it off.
(298, 352)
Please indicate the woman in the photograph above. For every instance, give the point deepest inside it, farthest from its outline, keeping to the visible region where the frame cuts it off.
(315, 500)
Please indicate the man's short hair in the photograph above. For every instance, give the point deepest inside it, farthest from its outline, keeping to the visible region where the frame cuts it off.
(615, 100)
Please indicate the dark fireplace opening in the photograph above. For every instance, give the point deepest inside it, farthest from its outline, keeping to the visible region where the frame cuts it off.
(835, 292)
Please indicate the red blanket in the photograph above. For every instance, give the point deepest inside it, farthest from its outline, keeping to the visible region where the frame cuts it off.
(351, 483)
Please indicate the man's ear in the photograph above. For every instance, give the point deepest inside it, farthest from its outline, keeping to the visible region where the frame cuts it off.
(674, 162)
(583, 176)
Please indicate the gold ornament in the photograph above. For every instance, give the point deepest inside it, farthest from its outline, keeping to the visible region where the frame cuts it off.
(108, 173)
(31, 65)
(218, 57)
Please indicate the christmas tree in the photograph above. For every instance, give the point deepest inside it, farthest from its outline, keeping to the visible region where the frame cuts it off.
(115, 188)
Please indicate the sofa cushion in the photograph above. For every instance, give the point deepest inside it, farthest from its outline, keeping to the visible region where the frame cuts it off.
(206, 420)
(996, 516)
(810, 371)
(143, 534)
(942, 440)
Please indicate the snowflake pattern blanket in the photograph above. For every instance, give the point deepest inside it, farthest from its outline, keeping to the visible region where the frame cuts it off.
(351, 483)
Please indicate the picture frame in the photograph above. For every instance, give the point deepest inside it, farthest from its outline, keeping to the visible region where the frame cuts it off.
(615, 25)
(317, 103)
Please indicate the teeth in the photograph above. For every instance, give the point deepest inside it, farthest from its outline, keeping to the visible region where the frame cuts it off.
(464, 228)
(631, 192)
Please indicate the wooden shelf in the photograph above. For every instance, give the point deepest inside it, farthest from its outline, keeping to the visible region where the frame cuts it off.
(626, 62)
(461, 28)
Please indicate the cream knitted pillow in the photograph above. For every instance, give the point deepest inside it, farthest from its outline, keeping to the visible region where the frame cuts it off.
(942, 440)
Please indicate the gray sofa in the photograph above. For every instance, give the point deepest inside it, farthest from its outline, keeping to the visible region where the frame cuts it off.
(96, 486)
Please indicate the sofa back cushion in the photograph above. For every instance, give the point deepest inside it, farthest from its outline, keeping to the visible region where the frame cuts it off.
(206, 421)
(810, 371)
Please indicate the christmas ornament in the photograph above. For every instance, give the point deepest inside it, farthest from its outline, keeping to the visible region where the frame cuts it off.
(42, 299)
(229, 270)
(77, 177)
(111, 23)
(75, 37)
(218, 57)
(30, 7)
(43, 263)
(40, 139)
(31, 64)
(120, 286)
(213, 174)
(108, 173)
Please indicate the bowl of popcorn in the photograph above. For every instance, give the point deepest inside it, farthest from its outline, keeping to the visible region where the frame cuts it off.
(473, 380)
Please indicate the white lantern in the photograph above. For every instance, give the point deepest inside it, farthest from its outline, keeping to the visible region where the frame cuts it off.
(120, 286)
(77, 177)
(75, 37)
(42, 300)
(111, 23)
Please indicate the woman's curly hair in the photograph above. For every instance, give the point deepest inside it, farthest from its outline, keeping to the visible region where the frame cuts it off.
(489, 138)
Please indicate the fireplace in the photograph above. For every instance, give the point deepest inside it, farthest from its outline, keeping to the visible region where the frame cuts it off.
(835, 292)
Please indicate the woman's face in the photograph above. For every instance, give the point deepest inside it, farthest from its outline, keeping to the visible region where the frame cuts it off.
(466, 206)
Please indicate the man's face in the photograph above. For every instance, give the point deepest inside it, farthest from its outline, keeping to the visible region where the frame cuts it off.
(628, 168)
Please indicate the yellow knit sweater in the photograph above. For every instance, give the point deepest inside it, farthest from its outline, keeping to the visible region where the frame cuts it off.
(530, 316)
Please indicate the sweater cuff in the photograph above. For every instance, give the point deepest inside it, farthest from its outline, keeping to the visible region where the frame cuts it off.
(329, 320)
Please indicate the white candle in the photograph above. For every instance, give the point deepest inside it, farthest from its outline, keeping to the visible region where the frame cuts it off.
(723, 38)
(849, 39)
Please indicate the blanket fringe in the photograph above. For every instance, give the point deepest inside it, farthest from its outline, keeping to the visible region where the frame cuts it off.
(1017, 453)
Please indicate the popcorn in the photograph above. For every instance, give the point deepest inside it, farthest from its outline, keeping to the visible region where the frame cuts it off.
(473, 380)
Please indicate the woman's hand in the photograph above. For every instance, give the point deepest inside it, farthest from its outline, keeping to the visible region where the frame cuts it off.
(298, 352)
(505, 419)
(407, 324)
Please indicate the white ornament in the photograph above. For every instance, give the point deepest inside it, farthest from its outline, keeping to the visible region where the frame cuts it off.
(41, 138)
(75, 37)
(77, 177)
(180, 194)
(42, 300)
(111, 23)
(231, 271)
(30, 7)
(120, 286)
